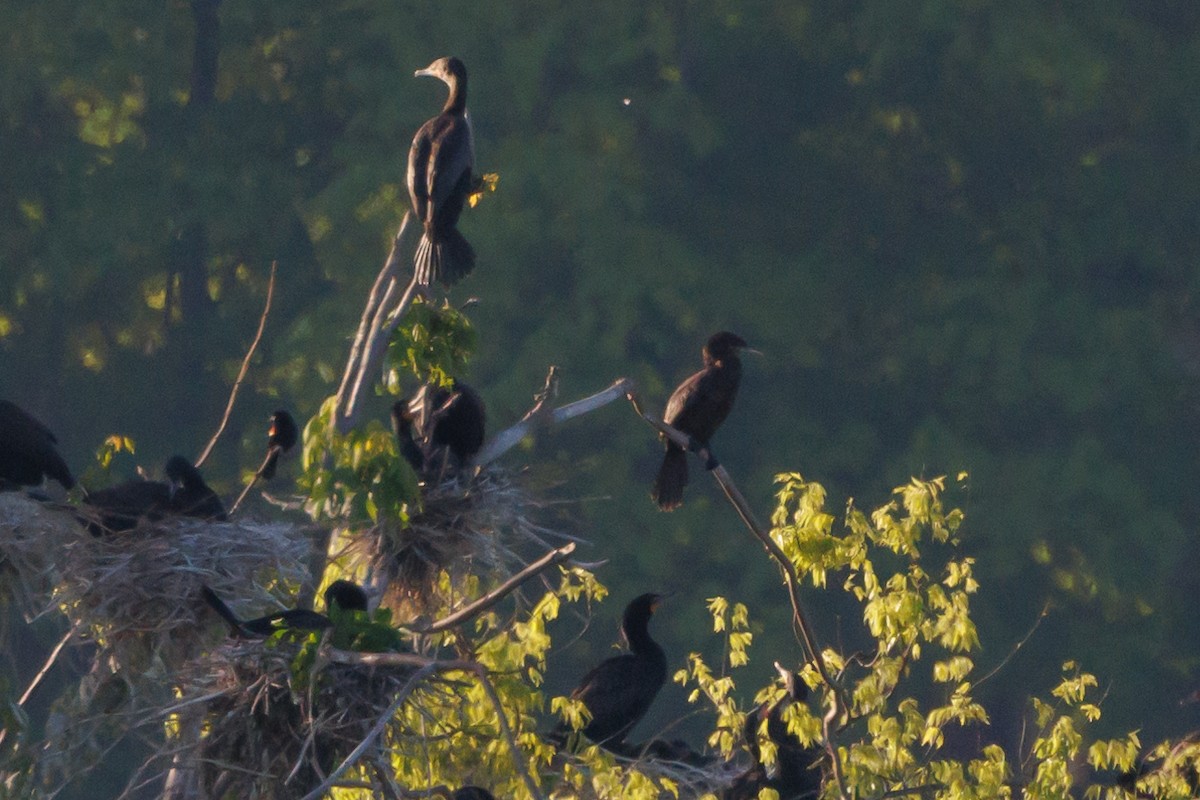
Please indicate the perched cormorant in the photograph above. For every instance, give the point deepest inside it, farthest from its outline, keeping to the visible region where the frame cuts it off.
(458, 417)
(620, 689)
(793, 775)
(27, 451)
(190, 495)
(126, 505)
(343, 594)
(698, 407)
(402, 426)
(439, 180)
(281, 437)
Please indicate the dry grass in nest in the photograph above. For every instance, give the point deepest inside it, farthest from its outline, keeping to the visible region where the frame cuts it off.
(265, 738)
(32, 537)
(477, 524)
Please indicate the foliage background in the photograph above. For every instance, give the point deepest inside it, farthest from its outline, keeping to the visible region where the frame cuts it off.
(962, 233)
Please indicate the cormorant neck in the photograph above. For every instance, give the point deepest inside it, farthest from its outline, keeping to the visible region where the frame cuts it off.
(637, 633)
(456, 103)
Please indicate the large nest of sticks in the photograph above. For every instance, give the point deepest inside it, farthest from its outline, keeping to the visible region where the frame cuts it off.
(137, 592)
(266, 737)
(478, 523)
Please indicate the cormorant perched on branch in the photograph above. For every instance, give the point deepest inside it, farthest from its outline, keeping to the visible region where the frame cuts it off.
(698, 407)
(619, 690)
(343, 594)
(27, 451)
(439, 180)
(793, 775)
(281, 437)
(402, 426)
(190, 495)
(458, 417)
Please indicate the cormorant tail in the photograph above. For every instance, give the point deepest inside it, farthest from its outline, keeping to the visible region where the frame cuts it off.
(672, 477)
(218, 605)
(446, 261)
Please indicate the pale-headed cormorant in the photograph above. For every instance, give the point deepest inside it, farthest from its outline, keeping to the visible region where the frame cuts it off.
(281, 437)
(620, 689)
(794, 774)
(342, 594)
(190, 495)
(439, 180)
(698, 407)
(27, 450)
(402, 426)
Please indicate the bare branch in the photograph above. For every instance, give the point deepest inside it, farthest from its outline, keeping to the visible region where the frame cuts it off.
(237, 384)
(538, 417)
(490, 599)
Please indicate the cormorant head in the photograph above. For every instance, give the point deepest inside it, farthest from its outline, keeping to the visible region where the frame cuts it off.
(283, 432)
(447, 68)
(346, 596)
(797, 689)
(181, 473)
(640, 609)
(725, 344)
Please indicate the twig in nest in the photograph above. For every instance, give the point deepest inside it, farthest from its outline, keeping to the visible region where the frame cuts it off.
(791, 579)
(539, 416)
(237, 384)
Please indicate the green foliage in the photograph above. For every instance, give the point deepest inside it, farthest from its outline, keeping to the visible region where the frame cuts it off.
(433, 344)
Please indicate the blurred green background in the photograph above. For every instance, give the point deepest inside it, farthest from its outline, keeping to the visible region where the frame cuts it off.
(963, 234)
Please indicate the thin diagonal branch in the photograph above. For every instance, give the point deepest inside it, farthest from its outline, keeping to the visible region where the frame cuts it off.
(237, 384)
(490, 599)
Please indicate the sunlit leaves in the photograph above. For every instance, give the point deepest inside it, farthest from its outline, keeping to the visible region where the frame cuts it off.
(433, 344)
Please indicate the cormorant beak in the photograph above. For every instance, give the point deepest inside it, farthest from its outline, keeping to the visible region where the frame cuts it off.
(427, 72)
(752, 351)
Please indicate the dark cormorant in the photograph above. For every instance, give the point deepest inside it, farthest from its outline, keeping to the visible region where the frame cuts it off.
(473, 793)
(343, 594)
(619, 690)
(126, 505)
(458, 417)
(191, 496)
(439, 180)
(402, 426)
(281, 437)
(698, 407)
(27, 451)
(794, 774)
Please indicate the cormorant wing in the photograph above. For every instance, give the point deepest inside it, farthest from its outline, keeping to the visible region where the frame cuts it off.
(450, 158)
(616, 694)
(418, 171)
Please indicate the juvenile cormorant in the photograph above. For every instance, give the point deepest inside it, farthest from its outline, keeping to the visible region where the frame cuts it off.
(126, 505)
(343, 594)
(402, 426)
(281, 437)
(458, 418)
(698, 407)
(190, 495)
(793, 775)
(27, 451)
(620, 689)
(439, 180)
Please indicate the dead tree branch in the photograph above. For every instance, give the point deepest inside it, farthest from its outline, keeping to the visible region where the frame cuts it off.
(237, 384)
(540, 416)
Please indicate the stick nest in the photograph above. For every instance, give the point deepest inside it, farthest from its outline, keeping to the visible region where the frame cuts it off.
(266, 737)
(477, 524)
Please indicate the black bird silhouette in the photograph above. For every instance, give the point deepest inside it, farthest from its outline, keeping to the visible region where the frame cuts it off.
(795, 774)
(697, 407)
(620, 689)
(343, 594)
(281, 437)
(439, 180)
(27, 450)
(190, 495)
(473, 793)
(126, 505)
(402, 426)
(458, 418)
